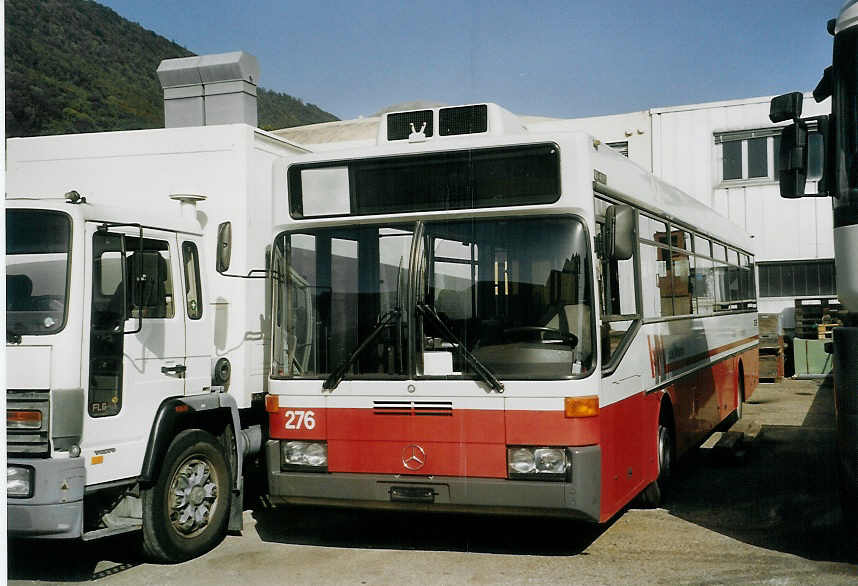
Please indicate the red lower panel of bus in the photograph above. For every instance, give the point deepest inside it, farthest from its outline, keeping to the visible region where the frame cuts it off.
(464, 442)
(473, 442)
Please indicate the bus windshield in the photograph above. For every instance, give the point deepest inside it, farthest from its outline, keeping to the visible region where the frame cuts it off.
(515, 294)
(37, 270)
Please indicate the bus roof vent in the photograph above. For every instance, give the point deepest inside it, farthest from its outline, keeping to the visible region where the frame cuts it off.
(426, 124)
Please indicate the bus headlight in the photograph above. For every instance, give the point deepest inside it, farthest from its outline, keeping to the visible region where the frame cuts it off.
(309, 456)
(540, 463)
(19, 481)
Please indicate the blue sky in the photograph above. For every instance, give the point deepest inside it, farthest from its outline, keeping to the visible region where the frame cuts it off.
(568, 59)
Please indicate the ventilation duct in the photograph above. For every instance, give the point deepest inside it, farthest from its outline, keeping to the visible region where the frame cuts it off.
(210, 89)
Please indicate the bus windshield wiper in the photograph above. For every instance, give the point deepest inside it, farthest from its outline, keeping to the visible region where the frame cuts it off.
(340, 371)
(481, 369)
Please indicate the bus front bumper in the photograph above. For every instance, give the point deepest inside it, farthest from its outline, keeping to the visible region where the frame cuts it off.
(578, 498)
(55, 508)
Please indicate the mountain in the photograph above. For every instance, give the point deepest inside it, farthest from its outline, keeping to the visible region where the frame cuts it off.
(78, 66)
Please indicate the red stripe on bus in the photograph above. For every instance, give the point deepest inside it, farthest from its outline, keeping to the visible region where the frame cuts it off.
(514, 427)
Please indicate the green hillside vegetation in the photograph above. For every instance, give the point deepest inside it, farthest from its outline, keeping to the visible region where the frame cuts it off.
(77, 66)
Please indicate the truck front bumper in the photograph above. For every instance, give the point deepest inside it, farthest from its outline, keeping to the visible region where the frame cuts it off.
(55, 509)
(578, 498)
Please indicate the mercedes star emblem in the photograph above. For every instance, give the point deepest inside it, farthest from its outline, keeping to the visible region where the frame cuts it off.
(413, 457)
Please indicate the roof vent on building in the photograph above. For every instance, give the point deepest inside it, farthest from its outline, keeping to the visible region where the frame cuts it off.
(210, 89)
(447, 122)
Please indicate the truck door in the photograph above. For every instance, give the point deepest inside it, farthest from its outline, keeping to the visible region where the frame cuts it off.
(129, 374)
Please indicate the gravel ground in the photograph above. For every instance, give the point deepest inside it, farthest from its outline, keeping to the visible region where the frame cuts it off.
(768, 514)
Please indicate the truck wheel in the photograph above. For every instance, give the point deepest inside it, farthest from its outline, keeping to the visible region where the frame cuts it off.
(653, 495)
(185, 512)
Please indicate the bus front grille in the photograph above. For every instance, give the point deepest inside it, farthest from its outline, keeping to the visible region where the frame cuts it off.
(414, 408)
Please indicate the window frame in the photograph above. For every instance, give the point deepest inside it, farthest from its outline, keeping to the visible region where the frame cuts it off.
(190, 247)
(771, 135)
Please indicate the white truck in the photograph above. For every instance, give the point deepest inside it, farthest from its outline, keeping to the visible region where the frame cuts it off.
(840, 182)
(137, 336)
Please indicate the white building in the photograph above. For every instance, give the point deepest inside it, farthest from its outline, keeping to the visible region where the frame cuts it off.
(723, 153)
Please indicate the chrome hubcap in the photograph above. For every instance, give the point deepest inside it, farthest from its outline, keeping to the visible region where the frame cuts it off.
(193, 496)
(664, 454)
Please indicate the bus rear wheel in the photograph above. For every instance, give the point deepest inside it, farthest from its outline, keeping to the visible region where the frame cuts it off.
(740, 392)
(185, 512)
(653, 495)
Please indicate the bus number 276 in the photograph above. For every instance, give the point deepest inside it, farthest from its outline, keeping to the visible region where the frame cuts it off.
(300, 419)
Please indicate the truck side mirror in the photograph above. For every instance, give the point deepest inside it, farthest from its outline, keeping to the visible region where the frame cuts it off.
(224, 246)
(786, 107)
(792, 159)
(619, 232)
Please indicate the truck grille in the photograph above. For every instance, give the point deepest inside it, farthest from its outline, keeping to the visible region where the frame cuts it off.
(29, 443)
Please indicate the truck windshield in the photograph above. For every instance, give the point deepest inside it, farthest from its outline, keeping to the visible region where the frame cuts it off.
(37, 270)
(515, 292)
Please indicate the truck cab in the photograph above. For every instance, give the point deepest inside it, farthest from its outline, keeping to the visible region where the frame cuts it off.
(105, 325)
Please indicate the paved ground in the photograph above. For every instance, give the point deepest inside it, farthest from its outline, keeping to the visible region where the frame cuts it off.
(771, 517)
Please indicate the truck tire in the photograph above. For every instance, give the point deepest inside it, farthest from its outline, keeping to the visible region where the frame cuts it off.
(186, 510)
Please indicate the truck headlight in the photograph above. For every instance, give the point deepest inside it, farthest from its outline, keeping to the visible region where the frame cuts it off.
(303, 455)
(19, 481)
(538, 463)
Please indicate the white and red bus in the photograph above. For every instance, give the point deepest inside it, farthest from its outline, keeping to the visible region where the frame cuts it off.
(473, 315)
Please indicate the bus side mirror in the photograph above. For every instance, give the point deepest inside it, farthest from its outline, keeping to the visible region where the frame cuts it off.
(224, 246)
(792, 159)
(619, 232)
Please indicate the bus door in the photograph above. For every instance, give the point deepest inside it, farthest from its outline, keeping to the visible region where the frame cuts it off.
(622, 414)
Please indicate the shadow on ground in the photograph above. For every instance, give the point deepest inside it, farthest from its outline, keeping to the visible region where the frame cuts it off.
(351, 528)
(782, 496)
(72, 561)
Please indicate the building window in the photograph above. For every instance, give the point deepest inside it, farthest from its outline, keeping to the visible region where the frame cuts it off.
(732, 168)
(752, 155)
(620, 147)
(797, 279)
(758, 157)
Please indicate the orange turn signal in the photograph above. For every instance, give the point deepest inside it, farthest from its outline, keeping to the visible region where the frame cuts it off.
(20, 419)
(272, 403)
(581, 406)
